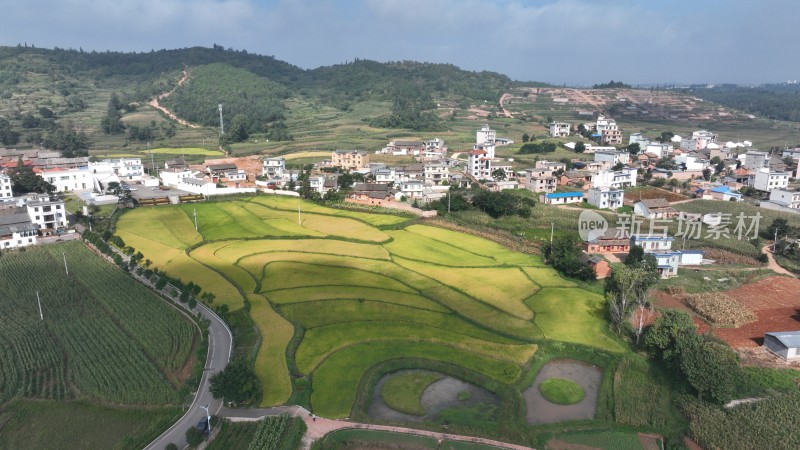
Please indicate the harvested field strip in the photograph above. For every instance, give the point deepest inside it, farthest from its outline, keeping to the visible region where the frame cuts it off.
(319, 343)
(720, 309)
(477, 245)
(232, 251)
(180, 265)
(285, 274)
(504, 288)
(320, 314)
(270, 365)
(547, 277)
(417, 247)
(290, 204)
(358, 293)
(336, 380)
(573, 315)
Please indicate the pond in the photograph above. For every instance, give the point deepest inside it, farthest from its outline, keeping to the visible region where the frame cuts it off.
(541, 411)
(446, 393)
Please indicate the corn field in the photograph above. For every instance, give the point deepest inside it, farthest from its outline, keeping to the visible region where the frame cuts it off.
(103, 336)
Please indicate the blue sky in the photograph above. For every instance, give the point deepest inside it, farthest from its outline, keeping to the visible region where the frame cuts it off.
(558, 41)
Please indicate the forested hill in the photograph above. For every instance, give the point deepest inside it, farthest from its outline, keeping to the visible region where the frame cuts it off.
(74, 87)
(777, 101)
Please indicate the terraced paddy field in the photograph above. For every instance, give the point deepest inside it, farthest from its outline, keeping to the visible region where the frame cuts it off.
(336, 293)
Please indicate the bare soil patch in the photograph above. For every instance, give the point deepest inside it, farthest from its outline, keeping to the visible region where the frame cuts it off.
(776, 302)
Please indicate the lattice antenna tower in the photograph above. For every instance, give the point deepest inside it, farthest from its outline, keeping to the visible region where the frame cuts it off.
(221, 122)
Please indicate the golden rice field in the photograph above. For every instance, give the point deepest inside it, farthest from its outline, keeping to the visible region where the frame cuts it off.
(364, 291)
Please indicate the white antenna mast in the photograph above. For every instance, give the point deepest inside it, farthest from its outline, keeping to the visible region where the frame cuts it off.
(41, 316)
(195, 219)
(221, 123)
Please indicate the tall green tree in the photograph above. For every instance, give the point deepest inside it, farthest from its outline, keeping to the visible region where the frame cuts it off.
(24, 180)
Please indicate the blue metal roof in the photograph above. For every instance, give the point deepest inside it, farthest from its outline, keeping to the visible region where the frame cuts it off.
(564, 194)
(791, 339)
(693, 252)
(721, 189)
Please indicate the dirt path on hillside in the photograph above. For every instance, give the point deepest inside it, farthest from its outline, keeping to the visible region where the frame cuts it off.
(503, 99)
(773, 265)
(155, 103)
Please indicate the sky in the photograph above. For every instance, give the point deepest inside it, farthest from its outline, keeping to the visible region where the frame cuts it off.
(575, 42)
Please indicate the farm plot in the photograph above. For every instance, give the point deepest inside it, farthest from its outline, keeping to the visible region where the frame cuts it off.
(103, 339)
(359, 295)
(776, 303)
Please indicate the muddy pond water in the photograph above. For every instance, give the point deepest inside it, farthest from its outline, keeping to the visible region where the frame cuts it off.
(438, 396)
(541, 411)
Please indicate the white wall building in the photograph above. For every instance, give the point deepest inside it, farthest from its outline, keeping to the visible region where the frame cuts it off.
(48, 212)
(127, 169)
(273, 167)
(82, 179)
(787, 199)
(615, 179)
(605, 197)
(766, 180)
(657, 148)
(612, 157)
(413, 189)
(559, 129)
(173, 177)
(485, 135)
(5, 186)
(638, 138)
(436, 173)
(755, 160)
(479, 165)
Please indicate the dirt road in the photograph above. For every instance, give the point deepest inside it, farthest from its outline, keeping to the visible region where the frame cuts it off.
(503, 99)
(772, 264)
(155, 104)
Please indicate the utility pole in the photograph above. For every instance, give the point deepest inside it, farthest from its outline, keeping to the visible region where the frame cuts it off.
(195, 219)
(775, 245)
(39, 301)
(66, 269)
(221, 123)
(298, 215)
(552, 228)
(448, 202)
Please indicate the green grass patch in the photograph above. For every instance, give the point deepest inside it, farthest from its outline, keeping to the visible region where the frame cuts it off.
(477, 245)
(641, 397)
(547, 277)
(416, 247)
(403, 391)
(561, 391)
(336, 380)
(573, 315)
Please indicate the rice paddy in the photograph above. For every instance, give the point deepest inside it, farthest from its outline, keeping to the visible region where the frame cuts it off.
(361, 289)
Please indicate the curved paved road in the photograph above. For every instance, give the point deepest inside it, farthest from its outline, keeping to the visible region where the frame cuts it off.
(220, 344)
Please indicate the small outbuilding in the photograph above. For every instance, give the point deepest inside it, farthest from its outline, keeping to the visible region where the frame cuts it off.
(785, 344)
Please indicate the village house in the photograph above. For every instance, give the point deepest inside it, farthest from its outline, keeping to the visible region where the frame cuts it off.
(413, 189)
(699, 140)
(371, 192)
(793, 153)
(605, 198)
(177, 163)
(559, 129)
(551, 165)
(657, 148)
(617, 179)
(609, 131)
(16, 229)
(654, 208)
(561, 198)
(5, 186)
(219, 170)
(128, 169)
(502, 185)
(436, 173)
(612, 157)
(754, 160)
(766, 180)
(612, 241)
(785, 198)
(599, 266)
(402, 148)
(661, 248)
(541, 180)
(580, 178)
(638, 138)
(349, 159)
(725, 193)
(173, 176)
(486, 136)
(82, 179)
(273, 167)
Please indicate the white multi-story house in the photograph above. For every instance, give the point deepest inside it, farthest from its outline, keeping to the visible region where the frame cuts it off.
(16, 229)
(434, 145)
(173, 177)
(81, 179)
(48, 212)
(605, 197)
(436, 173)
(273, 167)
(691, 162)
(412, 189)
(787, 199)
(486, 136)
(612, 157)
(5, 186)
(755, 160)
(551, 165)
(667, 259)
(609, 131)
(638, 138)
(766, 180)
(657, 148)
(541, 180)
(793, 153)
(385, 176)
(615, 179)
(699, 140)
(127, 169)
(559, 129)
(479, 165)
